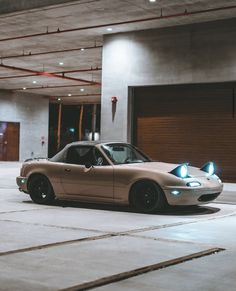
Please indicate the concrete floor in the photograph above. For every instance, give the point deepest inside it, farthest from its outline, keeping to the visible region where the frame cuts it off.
(68, 244)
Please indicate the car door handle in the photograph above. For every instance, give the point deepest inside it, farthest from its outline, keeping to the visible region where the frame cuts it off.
(67, 170)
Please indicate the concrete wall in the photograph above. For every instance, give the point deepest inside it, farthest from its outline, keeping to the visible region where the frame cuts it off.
(187, 54)
(32, 112)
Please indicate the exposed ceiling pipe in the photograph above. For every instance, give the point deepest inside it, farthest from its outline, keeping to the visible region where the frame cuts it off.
(78, 71)
(47, 74)
(57, 72)
(53, 87)
(176, 15)
(17, 76)
(30, 54)
(64, 102)
(76, 96)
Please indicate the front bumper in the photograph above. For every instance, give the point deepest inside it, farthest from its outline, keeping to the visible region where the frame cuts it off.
(22, 184)
(192, 196)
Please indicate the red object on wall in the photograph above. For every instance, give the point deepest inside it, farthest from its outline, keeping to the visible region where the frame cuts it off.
(42, 140)
(114, 99)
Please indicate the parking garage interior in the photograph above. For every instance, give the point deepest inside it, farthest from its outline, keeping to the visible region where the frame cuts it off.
(158, 74)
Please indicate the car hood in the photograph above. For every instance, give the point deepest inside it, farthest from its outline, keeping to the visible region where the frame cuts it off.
(164, 167)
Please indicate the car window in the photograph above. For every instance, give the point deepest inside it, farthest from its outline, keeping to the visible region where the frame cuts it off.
(99, 158)
(124, 154)
(81, 155)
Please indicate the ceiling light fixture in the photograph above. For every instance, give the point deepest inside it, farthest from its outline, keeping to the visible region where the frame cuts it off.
(109, 29)
(69, 95)
(58, 99)
(61, 63)
(34, 82)
(24, 88)
(82, 89)
(152, 1)
(82, 49)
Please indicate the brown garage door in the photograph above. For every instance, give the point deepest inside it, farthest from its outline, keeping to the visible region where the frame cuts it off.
(9, 141)
(187, 125)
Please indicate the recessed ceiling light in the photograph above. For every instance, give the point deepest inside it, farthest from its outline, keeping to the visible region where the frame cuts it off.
(34, 82)
(58, 99)
(109, 29)
(69, 95)
(152, 0)
(61, 63)
(24, 88)
(82, 49)
(82, 89)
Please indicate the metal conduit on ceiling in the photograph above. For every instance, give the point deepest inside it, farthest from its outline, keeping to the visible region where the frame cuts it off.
(47, 74)
(57, 72)
(168, 16)
(54, 87)
(30, 54)
(81, 95)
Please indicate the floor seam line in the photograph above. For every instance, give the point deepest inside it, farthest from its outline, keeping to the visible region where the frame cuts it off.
(25, 210)
(50, 245)
(170, 240)
(140, 271)
(55, 226)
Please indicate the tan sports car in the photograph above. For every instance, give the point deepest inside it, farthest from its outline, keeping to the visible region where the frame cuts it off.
(117, 173)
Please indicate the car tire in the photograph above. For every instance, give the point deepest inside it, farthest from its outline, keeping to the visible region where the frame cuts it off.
(147, 197)
(40, 190)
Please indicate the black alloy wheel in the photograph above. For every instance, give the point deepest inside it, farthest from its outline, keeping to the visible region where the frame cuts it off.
(147, 197)
(40, 190)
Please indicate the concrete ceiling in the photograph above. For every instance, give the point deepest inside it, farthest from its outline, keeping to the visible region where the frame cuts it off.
(36, 40)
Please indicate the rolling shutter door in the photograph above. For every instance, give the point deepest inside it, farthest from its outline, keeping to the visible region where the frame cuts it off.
(186, 125)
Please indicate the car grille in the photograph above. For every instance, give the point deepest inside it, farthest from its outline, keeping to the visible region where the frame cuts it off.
(208, 197)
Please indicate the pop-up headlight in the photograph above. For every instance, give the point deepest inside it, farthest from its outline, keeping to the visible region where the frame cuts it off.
(209, 168)
(180, 171)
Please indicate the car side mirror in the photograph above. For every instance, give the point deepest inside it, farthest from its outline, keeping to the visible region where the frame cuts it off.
(88, 165)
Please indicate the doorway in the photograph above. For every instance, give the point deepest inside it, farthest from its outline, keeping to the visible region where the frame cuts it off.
(70, 123)
(9, 141)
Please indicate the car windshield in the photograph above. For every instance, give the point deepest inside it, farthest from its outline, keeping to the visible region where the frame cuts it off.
(124, 154)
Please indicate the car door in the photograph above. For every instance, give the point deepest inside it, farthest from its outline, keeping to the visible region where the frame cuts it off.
(94, 181)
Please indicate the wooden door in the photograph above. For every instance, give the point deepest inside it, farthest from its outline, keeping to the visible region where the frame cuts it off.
(9, 141)
(3, 132)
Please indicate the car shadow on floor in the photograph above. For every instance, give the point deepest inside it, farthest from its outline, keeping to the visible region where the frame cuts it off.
(171, 210)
